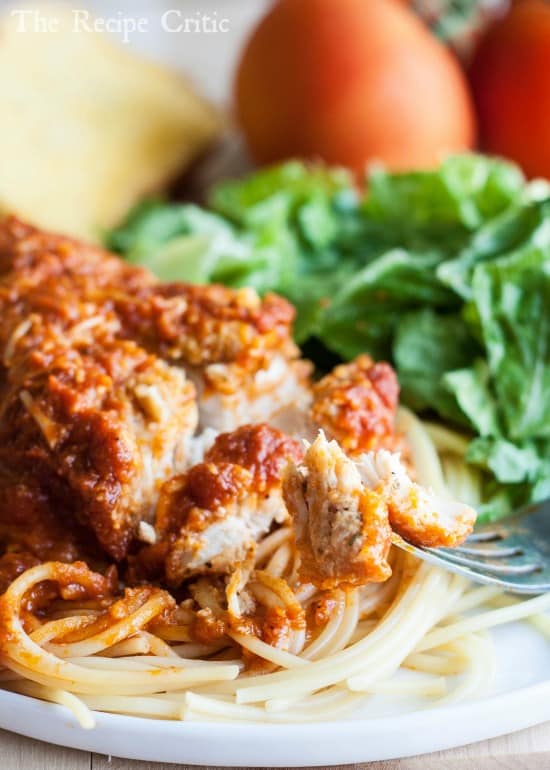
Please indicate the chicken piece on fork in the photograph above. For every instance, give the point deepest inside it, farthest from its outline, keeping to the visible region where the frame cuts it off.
(415, 513)
(344, 513)
(341, 527)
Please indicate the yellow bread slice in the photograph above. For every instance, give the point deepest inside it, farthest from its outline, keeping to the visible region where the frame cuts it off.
(87, 127)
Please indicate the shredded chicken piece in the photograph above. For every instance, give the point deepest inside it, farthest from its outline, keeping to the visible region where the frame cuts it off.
(256, 391)
(356, 404)
(341, 527)
(418, 515)
(211, 516)
(235, 347)
(146, 533)
(215, 537)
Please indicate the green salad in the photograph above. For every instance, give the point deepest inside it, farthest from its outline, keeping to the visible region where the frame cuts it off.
(444, 273)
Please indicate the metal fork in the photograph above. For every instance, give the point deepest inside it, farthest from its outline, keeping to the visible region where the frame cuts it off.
(513, 554)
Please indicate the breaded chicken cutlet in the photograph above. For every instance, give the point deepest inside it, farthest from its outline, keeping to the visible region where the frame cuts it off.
(140, 411)
(98, 365)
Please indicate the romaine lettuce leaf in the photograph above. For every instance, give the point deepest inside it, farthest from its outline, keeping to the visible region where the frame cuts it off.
(457, 198)
(428, 345)
(523, 224)
(512, 297)
(471, 388)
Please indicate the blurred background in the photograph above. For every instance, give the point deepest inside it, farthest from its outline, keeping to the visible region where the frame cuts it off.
(347, 82)
(210, 59)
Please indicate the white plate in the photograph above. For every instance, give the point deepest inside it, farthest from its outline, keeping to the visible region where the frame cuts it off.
(520, 698)
(521, 694)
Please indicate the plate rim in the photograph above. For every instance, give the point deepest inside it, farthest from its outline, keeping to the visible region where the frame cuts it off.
(311, 744)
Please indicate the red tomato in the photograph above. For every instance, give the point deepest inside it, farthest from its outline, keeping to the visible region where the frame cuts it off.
(350, 81)
(510, 75)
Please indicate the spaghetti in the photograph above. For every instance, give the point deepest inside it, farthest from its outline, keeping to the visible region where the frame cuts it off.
(139, 654)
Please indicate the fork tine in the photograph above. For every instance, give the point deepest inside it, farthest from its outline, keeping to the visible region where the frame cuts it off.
(519, 584)
(485, 537)
(486, 566)
(490, 553)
